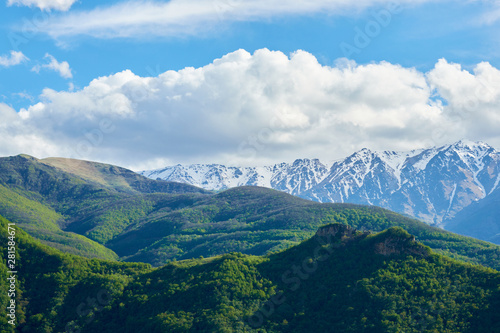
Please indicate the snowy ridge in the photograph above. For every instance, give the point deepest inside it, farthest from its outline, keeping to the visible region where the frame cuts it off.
(430, 184)
(214, 176)
(291, 178)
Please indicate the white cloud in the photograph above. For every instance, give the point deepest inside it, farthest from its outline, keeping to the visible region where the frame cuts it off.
(20, 137)
(493, 14)
(62, 68)
(472, 98)
(15, 58)
(62, 5)
(187, 17)
(259, 108)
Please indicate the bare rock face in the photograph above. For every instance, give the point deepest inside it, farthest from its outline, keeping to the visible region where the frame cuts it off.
(393, 241)
(396, 241)
(391, 246)
(335, 229)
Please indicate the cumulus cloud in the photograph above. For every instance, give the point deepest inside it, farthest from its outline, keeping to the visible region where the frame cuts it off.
(20, 137)
(187, 17)
(62, 5)
(472, 98)
(259, 108)
(62, 68)
(15, 58)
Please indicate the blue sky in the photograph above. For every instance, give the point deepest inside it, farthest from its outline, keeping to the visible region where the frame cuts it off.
(51, 51)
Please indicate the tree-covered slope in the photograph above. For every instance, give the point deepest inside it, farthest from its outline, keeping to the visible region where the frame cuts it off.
(256, 221)
(344, 280)
(42, 222)
(45, 198)
(50, 285)
(81, 215)
(339, 280)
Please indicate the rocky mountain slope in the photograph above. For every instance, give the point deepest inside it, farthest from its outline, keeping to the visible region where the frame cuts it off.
(480, 219)
(432, 184)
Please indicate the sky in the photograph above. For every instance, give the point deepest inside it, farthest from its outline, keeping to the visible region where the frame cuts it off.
(146, 84)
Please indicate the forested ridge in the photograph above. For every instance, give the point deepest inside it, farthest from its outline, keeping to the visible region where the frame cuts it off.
(341, 279)
(107, 212)
(112, 252)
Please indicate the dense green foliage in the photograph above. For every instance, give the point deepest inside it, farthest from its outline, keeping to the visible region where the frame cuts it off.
(50, 284)
(42, 222)
(45, 199)
(98, 210)
(256, 221)
(339, 280)
(356, 289)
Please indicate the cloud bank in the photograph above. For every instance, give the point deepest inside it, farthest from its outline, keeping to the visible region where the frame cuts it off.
(258, 108)
(140, 19)
(62, 5)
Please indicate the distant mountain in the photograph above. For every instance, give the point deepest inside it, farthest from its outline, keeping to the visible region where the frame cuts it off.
(338, 280)
(295, 178)
(481, 219)
(432, 185)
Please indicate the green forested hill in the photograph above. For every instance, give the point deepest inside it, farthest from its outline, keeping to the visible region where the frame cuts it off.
(98, 210)
(50, 284)
(255, 221)
(53, 177)
(338, 280)
(44, 196)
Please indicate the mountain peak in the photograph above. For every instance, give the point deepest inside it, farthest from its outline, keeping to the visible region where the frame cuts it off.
(396, 240)
(430, 184)
(28, 157)
(393, 241)
(300, 161)
(365, 151)
(470, 145)
(306, 161)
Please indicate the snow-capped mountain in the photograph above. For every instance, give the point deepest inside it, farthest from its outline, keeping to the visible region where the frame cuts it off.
(430, 184)
(294, 178)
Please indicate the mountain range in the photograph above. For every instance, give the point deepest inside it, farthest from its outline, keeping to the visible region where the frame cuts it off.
(105, 211)
(246, 259)
(433, 184)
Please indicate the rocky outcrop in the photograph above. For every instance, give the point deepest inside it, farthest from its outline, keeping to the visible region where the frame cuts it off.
(396, 241)
(335, 229)
(393, 241)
